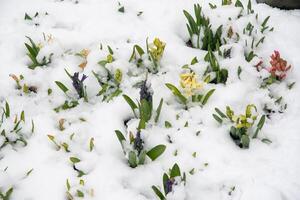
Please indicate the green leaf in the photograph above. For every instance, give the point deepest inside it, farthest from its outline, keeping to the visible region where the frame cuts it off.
(168, 124)
(23, 116)
(265, 21)
(91, 144)
(132, 159)
(245, 141)
(122, 9)
(7, 110)
(80, 194)
(142, 157)
(165, 180)
(177, 93)
(206, 97)
(145, 109)
(27, 17)
(175, 171)
(220, 113)
(194, 61)
(131, 103)
(142, 124)
(158, 193)
(266, 141)
(102, 62)
(74, 160)
(120, 136)
(156, 151)
(238, 3)
(217, 118)
(158, 110)
(259, 125)
(239, 72)
(8, 194)
(68, 185)
(61, 86)
(110, 50)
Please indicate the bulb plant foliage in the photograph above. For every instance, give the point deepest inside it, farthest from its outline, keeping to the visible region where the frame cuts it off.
(22, 86)
(14, 130)
(78, 190)
(78, 86)
(242, 125)
(109, 79)
(153, 54)
(170, 180)
(214, 73)
(133, 147)
(190, 89)
(32, 52)
(201, 34)
(143, 109)
(6, 195)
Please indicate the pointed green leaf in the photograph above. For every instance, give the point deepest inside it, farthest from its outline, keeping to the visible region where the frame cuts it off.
(61, 86)
(156, 151)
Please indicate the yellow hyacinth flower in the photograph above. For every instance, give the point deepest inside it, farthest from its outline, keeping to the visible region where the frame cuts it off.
(84, 53)
(189, 83)
(157, 48)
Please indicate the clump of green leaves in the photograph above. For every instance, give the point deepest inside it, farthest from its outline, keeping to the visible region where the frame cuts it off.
(201, 34)
(109, 79)
(198, 98)
(226, 2)
(6, 195)
(14, 130)
(153, 54)
(240, 131)
(170, 180)
(77, 190)
(79, 87)
(20, 85)
(214, 73)
(134, 149)
(32, 52)
(143, 110)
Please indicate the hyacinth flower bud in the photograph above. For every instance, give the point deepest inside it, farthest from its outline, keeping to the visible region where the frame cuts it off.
(146, 92)
(78, 84)
(138, 142)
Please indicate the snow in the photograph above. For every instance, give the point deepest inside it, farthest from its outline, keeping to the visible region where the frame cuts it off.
(264, 171)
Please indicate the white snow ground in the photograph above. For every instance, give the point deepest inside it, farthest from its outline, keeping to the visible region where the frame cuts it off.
(262, 172)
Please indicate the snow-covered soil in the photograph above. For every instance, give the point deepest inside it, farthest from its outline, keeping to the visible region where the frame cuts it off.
(215, 167)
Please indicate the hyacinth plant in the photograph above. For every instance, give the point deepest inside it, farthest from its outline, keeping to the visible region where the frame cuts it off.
(134, 148)
(278, 69)
(214, 73)
(254, 35)
(191, 89)
(109, 78)
(6, 195)
(32, 52)
(171, 180)
(242, 125)
(143, 110)
(79, 87)
(21, 86)
(201, 34)
(14, 130)
(153, 54)
(78, 190)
